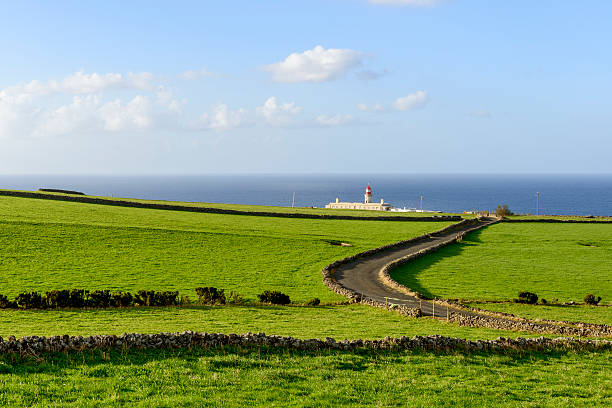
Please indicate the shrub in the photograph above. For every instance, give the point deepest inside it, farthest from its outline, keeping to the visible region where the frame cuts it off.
(29, 300)
(4, 302)
(527, 297)
(153, 298)
(210, 296)
(503, 210)
(57, 298)
(99, 298)
(275, 297)
(77, 297)
(313, 302)
(590, 299)
(543, 301)
(122, 299)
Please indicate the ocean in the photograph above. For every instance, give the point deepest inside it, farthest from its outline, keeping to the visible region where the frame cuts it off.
(558, 194)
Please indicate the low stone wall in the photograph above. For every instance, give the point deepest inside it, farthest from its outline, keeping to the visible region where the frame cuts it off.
(331, 283)
(172, 207)
(35, 346)
(580, 329)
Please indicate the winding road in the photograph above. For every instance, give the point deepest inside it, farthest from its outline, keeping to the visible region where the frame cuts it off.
(362, 275)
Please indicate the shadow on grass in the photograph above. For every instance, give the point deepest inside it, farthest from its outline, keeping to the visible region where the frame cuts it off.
(409, 274)
(101, 363)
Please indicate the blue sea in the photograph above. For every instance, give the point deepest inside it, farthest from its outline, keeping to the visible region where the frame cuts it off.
(558, 194)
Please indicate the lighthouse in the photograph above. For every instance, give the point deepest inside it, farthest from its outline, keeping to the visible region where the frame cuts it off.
(368, 195)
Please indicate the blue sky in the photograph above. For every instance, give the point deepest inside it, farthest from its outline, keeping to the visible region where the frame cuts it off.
(306, 86)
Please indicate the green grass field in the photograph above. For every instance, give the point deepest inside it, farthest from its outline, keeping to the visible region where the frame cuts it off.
(268, 377)
(556, 261)
(339, 321)
(54, 245)
(51, 245)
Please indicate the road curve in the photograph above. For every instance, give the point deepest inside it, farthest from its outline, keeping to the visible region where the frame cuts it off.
(362, 275)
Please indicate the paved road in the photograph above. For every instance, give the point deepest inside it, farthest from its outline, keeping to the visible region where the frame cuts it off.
(362, 275)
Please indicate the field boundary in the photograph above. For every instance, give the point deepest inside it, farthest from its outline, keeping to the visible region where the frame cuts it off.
(35, 346)
(211, 210)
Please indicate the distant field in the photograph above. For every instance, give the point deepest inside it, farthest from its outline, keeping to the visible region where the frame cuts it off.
(285, 210)
(268, 377)
(562, 261)
(52, 245)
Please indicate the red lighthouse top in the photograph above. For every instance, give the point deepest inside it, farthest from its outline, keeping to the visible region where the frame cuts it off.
(368, 190)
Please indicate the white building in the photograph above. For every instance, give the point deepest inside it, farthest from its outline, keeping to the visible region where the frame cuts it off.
(366, 205)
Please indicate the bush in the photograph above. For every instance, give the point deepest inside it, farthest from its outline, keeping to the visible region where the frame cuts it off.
(122, 299)
(29, 300)
(275, 297)
(527, 297)
(503, 210)
(99, 298)
(77, 297)
(210, 296)
(4, 302)
(313, 302)
(153, 298)
(590, 299)
(57, 298)
(543, 301)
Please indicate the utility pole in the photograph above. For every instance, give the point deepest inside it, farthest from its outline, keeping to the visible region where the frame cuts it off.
(421, 203)
(538, 203)
(293, 201)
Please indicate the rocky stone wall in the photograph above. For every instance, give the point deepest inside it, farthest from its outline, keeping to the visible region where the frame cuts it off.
(35, 346)
(172, 207)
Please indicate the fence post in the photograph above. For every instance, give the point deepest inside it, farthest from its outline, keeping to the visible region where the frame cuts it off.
(433, 309)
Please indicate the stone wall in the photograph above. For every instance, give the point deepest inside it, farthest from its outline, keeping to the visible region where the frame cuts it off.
(35, 346)
(173, 207)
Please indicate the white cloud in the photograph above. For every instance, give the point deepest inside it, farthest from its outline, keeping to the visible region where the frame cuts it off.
(412, 101)
(80, 115)
(192, 75)
(79, 83)
(223, 118)
(276, 114)
(378, 108)
(334, 120)
(406, 2)
(137, 114)
(316, 65)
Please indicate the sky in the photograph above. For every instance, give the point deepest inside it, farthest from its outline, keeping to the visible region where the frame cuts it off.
(316, 86)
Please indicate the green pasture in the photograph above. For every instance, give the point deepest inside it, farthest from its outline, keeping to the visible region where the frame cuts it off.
(558, 262)
(263, 377)
(48, 245)
(338, 321)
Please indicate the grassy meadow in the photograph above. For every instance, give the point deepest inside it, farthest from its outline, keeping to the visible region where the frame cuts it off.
(48, 245)
(59, 245)
(561, 262)
(268, 377)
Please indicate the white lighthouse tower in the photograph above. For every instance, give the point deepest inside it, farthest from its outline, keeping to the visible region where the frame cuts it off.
(368, 195)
